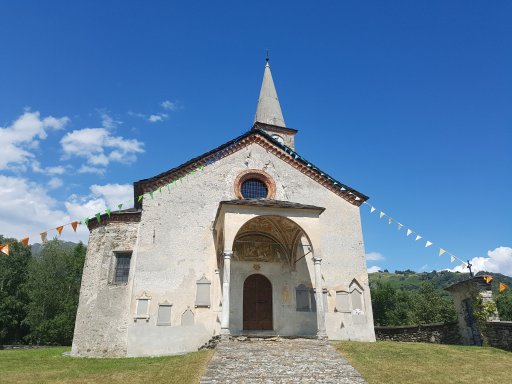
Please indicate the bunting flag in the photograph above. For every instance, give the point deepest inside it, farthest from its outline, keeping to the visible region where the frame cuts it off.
(120, 206)
(372, 209)
(390, 220)
(24, 241)
(5, 249)
(85, 220)
(44, 237)
(382, 214)
(502, 287)
(418, 237)
(400, 225)
(98, 217)
(140, 198)
(74, 224)
(441, 251)
(108, 212)
(151, 194)
(488, 279)
(452, 258)
(408, 232)
(59, 229)
(428, 244)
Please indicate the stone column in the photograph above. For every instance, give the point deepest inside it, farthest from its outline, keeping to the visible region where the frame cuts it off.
(224, 323)
(320, 314)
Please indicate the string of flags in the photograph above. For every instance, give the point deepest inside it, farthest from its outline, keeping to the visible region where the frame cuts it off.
(501, 286)
(428, 243)
(5, 248)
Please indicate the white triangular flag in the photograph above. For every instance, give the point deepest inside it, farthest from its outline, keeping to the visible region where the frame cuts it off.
(372, 209)
(418, 237)
(382, 214)
(452, 258)
(400, 226)
(409, 232)
(428, 244)
(390, 220)
(441, 251)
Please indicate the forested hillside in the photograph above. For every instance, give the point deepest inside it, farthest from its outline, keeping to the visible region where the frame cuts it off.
(408, 298)
(39, 293)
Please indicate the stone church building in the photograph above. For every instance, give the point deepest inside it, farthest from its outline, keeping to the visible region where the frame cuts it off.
(247, 239)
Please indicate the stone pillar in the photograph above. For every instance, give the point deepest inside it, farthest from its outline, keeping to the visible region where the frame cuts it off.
(224, 323)
(320, 313)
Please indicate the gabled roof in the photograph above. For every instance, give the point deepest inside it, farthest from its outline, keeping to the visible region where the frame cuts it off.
(262, 138)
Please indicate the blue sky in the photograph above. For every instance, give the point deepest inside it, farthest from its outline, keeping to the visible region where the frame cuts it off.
(408, 102)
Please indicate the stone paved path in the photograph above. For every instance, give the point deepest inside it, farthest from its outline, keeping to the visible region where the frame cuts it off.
(257, 361)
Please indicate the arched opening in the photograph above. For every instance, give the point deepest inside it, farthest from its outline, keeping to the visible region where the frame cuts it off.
(257, 303)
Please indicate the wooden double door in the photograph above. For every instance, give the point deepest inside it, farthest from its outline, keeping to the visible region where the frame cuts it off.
(257, 303)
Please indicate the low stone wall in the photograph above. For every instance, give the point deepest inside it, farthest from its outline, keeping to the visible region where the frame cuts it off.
(441, 333)
(499, 334)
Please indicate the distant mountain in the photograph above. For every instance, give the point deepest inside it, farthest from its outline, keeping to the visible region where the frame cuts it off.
(410, 280)
(36, 248)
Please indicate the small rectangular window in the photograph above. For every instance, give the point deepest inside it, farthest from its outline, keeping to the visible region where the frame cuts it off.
(122, 267)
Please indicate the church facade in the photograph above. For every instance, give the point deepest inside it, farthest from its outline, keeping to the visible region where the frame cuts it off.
(247, 239)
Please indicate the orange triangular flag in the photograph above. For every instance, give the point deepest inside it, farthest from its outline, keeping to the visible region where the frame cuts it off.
(44, 237)
(74, 224)
(59, 229)
(488, 279)
(5, 249)
(502, 287)
(24, 241)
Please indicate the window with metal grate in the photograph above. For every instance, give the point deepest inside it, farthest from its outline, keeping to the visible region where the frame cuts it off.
(122, 267)
(254, 189)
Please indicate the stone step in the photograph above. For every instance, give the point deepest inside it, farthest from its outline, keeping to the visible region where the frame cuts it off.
(247, 360)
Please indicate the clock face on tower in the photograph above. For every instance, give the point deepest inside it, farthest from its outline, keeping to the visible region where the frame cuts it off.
(278, 138)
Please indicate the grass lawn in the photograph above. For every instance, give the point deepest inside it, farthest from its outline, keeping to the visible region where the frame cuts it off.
(48, 365)
(397, 363)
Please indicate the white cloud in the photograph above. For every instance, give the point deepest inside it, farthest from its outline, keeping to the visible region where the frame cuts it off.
(108, 121)
(99, 148)
(374, 256)
(28, 210)
(158, 117)
(499, 260)
(86, 169)
(24, 135)
(169, 105)
(36, 167)
(55, 183)
(374, 269)
(101, 198)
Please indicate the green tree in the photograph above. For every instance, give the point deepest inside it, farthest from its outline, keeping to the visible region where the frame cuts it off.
(390, 306)
(504, 304)
(53, 288)
(13, 297)
(430, 306)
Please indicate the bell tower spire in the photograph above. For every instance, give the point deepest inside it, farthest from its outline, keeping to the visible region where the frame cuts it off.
(269, 109)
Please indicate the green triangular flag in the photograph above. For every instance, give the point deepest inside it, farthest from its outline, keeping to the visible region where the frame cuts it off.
(85, 220)
(140, 198)
(169, 187)
(160, 189)
(98, 217)
(151, 194)
(108, 212)
(120, 206)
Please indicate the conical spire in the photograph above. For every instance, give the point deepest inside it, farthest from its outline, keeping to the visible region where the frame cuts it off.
(269, 110)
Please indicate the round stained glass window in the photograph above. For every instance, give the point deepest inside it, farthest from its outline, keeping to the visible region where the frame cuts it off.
(254, 189)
